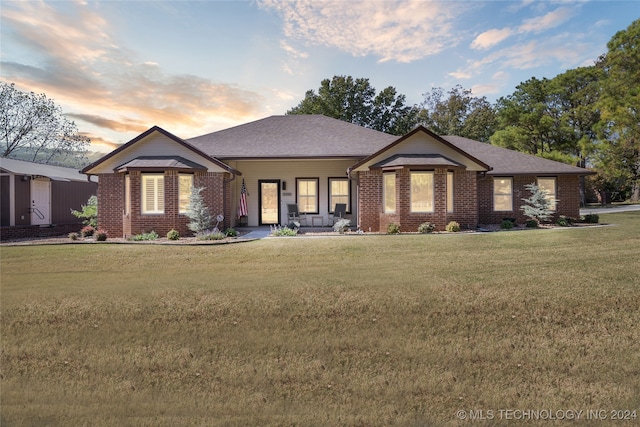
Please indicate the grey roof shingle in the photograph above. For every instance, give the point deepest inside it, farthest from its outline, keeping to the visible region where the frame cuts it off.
(56, 173)
(161, 162)
(509, 162)
(400, 160)
(294, 136)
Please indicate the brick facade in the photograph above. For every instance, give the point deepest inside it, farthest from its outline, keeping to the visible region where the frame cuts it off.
(567, 193)
(111, 203)
(372, 217)
(472, 200)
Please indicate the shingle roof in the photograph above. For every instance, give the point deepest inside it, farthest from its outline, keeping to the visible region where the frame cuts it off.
(400, 160)
(509, 162)
(56, 173)
(160, 162)
(294, 136)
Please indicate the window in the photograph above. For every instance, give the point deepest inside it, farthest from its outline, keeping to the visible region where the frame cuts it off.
(548, 185)
(152, 193)
(389, 192)
(127, 194)
(449, 191)
(307, 195)
(503, 194)
(421, 191)
(186, 185)
(339, 193)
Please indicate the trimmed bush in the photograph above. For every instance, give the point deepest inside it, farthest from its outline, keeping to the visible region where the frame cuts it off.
(73, 236)
(506, 224)
(393, 229)
(152, 235)
(564, 221)
(173, 235)
(591, 218)
(278, 231)
(214, 234)
(230, 232)
(342, 225)
(426, 227)
(531, 223)
(453, 227)
(101, 235)
(87, 231)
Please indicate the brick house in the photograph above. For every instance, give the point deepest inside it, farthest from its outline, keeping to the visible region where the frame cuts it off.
(316, 162)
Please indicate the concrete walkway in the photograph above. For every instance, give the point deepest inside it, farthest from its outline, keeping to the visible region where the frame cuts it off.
(610, 209)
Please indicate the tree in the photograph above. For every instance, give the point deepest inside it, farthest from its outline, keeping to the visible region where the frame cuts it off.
(619, 160)
(89, 212)
(355, 101)
(537, 207)
(198, 212)
(525, 114)
(459, 113)
(34, 126)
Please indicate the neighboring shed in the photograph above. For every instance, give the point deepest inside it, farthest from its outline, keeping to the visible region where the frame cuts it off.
(35, 196)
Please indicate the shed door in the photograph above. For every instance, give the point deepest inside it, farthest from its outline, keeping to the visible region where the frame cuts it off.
(40, 202)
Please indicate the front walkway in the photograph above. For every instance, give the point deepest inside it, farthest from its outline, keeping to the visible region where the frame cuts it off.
(610, 209)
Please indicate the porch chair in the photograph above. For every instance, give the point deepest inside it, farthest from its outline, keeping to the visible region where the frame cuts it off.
(339, 213)
(294, 214)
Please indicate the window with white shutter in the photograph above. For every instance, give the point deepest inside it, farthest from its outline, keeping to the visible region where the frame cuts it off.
(152, 193)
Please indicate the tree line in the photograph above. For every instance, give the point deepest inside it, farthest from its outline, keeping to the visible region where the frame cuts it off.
(588, 116)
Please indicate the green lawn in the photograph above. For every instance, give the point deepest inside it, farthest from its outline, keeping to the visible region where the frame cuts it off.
(352, 330)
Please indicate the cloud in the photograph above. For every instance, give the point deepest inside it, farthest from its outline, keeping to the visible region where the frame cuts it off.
(75, 59)
(99, 143)
(535, 25)
(123, 125)
(460, 75)
(401, 31)
(547, 21)
(491, 38)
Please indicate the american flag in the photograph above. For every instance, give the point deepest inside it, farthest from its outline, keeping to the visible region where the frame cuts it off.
(242, 206)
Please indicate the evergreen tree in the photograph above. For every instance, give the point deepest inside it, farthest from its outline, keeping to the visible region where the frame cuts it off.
(538, 205)
(198, 212)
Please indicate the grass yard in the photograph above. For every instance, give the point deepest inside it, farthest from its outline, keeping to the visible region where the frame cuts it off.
(347, 331)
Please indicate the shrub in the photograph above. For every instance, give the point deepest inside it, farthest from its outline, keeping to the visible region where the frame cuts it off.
(453, 227)
(393, 229)
(173, 235)
(87, 231)
(214, 234)
(101, 235)
(74, 236)
(531, 223)
(89, 212)
(285, 231)
(426, 227)
(592, 218)
(506, 224)
(564, 221)
(230, 232)
(152, 235)
(342, 225)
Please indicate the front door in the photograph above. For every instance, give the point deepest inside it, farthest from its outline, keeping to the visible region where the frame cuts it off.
(40, 202)
(269, 202)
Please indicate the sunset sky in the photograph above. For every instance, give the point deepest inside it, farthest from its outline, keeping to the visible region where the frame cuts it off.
(192, 67)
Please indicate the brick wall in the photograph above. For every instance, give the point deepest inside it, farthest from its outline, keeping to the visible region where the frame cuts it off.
(568, 195)
(111, 203)
(371, 209)
(31, 231)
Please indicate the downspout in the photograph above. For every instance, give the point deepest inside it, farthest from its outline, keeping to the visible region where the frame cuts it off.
(224, 195)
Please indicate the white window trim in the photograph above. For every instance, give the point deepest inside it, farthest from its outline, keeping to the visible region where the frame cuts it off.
(502, 194)
(552, 197)
(317, 195)
(384, 192)
(425, 210)
(331, 195)
(184, 175)
(156, 202)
